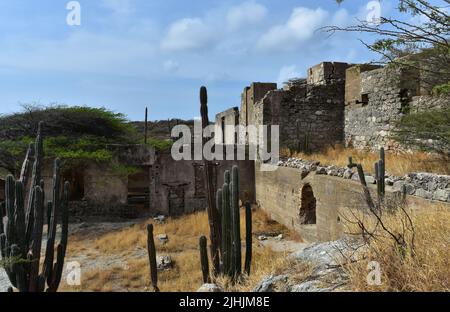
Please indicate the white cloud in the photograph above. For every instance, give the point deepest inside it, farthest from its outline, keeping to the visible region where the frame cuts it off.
(300, 27)
(249, 12)
(171, 66)
(286, 73)
(118, 6)
(187, 34)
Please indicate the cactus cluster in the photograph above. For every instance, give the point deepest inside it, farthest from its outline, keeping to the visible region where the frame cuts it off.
(214, 218)
(224, 218)
(227, 202)
(228, 196)
(21, 238)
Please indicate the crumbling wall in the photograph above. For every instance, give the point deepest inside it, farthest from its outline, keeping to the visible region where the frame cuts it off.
(224, 134)
(385, 96)
(333, 196)
(178, 187)
(424, 103)
(249, 113)
(310, 113)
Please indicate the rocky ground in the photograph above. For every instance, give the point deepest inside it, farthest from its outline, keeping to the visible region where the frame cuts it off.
(327, 262)
(324, 259)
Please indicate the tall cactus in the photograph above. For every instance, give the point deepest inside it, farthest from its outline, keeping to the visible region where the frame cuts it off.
(204, 259)
(213, 213)
(380, 174)
(228, 196)
(248, 237)
(235, 223)
(152, 257)
(20, 241)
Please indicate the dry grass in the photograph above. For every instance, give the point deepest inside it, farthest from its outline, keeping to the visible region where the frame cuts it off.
(396, 164)
(425, 269)
(183, 235)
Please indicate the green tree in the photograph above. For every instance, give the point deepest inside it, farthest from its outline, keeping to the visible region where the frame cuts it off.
(418, 39)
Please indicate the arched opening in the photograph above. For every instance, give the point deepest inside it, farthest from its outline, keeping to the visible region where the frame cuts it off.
(308, 205)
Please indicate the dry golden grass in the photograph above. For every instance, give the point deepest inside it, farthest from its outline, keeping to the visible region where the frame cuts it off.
(183, 235)
(425, 269)
(396, 164)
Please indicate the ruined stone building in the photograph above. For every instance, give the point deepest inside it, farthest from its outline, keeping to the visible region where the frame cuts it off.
(338, 103)
(157, 184)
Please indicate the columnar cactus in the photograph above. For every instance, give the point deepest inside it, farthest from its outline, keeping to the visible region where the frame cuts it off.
(380, 174)
(204, 259)
(152, 257)
(248, 237)
(228, 196)
(20, 241)
(213, 214)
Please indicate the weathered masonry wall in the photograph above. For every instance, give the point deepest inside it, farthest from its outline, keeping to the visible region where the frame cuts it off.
(250, 96)
(178, 187)
(227, 135)
(157, 184)
(281, 193)
(377, 99)
(310, 113)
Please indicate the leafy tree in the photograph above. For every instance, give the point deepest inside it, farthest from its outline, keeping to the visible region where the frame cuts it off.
(419, 39)
(71, 133)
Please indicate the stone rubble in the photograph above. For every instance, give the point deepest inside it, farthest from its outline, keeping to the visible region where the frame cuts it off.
(326, 259)
(162, 238)
(206, 288)
(421, 184)
(164, 263)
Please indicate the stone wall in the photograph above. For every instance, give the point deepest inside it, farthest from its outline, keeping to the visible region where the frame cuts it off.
(425, 103)
(421, 184)
(326, 73)
(385, 96)
(310, 115)
(249, 97)
(178, 187)
(281, 194)
(230, 117)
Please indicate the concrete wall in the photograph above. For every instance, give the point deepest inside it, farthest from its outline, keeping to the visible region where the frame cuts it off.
(279, 193)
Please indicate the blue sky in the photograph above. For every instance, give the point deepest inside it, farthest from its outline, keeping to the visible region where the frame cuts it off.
(128, 54)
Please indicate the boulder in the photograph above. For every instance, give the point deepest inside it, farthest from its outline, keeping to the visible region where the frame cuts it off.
(269, 283)
(162, 238)
(164, 263)
(210, 288)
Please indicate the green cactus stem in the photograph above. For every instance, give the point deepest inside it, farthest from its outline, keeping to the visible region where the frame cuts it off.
(236, 222)
(204, 259)
(213, 215)
(152, 258)
(248, 237)
(20, 241)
